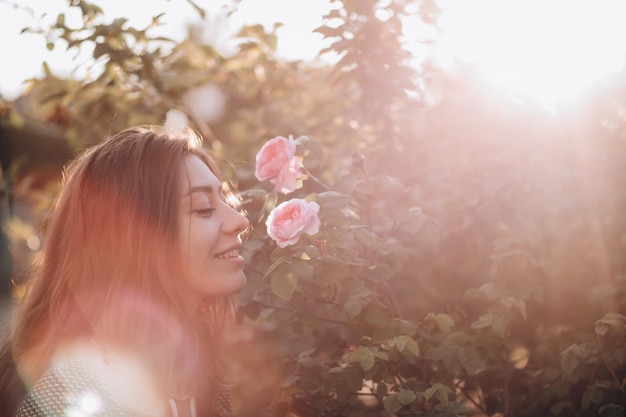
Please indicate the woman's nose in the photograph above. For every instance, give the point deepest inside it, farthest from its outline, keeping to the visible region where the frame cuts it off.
(237, 222)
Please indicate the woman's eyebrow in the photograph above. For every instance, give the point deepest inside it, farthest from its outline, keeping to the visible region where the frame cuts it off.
(208, 189)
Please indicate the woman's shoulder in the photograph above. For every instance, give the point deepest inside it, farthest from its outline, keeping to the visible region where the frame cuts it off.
(87, 380)
(68, 388)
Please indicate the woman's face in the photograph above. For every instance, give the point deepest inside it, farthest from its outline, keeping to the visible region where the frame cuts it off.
(209, 233)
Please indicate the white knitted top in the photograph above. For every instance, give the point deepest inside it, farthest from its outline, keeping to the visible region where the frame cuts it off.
(73, 388)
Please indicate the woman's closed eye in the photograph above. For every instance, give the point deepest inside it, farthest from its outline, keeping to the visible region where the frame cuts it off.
(204, 212)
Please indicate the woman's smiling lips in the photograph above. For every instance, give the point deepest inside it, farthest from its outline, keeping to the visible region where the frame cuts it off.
(232, 253)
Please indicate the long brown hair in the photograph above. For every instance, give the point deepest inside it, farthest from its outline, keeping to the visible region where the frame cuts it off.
(110, 269)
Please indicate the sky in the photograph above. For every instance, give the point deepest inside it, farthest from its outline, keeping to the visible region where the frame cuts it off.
(24, 53)
(550, 51)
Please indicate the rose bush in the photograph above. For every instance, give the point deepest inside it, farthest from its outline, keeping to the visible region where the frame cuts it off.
(375, 328)
(291, 219)
(278, 163)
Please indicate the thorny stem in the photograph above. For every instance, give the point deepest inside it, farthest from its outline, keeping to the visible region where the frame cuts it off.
(369, 201)
(368, 213)
(619, 383)
(314, 178)
(394, 300)
(330, 301)
(291, 310)
(332, 297)
(402, 380)
(256, 271)
(507, 382)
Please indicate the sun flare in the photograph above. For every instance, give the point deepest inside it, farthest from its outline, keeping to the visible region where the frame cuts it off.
(548, 50)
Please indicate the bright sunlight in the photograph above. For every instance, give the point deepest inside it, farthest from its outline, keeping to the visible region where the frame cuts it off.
(549, 51)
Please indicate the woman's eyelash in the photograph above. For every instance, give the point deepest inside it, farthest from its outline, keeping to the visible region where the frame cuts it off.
(205, 211)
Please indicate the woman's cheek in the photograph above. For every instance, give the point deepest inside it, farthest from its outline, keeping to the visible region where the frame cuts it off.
(204, 232)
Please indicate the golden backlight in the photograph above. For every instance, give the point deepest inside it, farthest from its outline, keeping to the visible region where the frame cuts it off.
(549, 51)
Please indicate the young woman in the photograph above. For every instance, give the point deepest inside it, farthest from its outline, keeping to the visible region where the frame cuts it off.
(128, 307)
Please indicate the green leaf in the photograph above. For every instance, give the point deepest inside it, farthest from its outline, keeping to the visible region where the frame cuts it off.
(314, 156)
(368, 238)
(270, 202)
(100, 50)
(569, 362)
(360, 292)
(392, 404)
(381, 390)
(354, 380)
(584, 350)
(448, 354)
(333, 14)
(430, 232)
(470, 360)
(283, 285)
(311, 251)
(363, 355)
(253, 245)
(406, 344)
(509, 302)
(356, 300)
(333, 260)
(592, 395)
(330, 32)
(399, 342)
(413, 347)
(615, 321)
(405, 327)
(367, 360)
(601, 329)
(439, 391)
(253, 194)
(452, 409)
(352, 307)
(302, 269)
(157, 18)
(376, 315)
(411, 220)
(272, 41)
(406, 397)
(498, 325)
(611, 410)
(278, 262)
(483, 321)
(382, 355)
(334, 218)
(444, 322)
(380, 273)
(519, 357)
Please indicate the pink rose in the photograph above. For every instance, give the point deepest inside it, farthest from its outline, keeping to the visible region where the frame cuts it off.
(277, 162)
(289, 220)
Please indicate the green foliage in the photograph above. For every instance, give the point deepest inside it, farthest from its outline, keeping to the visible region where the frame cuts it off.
(466, 264)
